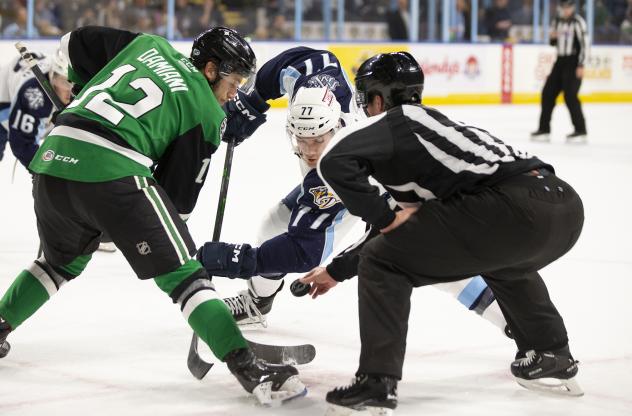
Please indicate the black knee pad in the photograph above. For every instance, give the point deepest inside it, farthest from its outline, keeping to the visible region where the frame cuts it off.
(57, 275)
(190, 286)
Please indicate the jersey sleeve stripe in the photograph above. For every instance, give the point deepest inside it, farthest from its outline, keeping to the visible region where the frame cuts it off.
(330, 235)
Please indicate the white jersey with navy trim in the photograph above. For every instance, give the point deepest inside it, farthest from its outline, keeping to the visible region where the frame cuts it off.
(25, 109)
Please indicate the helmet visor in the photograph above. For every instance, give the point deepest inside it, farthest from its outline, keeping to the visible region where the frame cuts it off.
(243, 76)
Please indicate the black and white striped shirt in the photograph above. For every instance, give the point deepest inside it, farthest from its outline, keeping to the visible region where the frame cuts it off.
(572, 38)
(417, 154)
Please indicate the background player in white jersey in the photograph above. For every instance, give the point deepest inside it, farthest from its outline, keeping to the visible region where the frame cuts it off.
(25, 110)
(309, 224)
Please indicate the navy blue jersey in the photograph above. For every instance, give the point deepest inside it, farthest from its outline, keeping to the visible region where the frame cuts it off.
(304, 67)
(5, 108)
(309, 240)
(24, 121)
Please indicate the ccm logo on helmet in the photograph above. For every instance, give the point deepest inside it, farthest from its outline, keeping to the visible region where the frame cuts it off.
(50, 155)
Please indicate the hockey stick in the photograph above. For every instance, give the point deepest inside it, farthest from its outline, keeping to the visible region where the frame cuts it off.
(197, 366)
(39, 75)
(45, 84)
(15, 165)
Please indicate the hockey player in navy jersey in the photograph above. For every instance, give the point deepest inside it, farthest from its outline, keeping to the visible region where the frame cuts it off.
(309, 224)
(300, 231)
(25, 110)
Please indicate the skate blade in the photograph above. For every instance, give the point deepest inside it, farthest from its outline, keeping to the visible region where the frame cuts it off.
(107, 247)
(335, 410)
(577, 140)
(249, 323)
(291, 389)
(555, 386)
(541, 138)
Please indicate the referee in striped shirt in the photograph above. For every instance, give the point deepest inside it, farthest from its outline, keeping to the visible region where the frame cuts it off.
(471, 204)
(570, 36)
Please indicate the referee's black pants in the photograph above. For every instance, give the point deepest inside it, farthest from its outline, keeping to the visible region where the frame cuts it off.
(563, 77)
(506, 233)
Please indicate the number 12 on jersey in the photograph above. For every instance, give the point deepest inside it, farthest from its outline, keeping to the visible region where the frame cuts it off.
(111, 109)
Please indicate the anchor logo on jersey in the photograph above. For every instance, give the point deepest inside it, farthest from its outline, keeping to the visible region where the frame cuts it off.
(323, 198)
(35, 98)
(323, 80)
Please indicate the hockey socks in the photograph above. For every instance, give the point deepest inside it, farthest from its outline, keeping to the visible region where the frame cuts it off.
(205, 312)
(29, 291)
(213, 323)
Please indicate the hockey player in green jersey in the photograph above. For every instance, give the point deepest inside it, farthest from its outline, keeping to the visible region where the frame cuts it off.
(128, 157)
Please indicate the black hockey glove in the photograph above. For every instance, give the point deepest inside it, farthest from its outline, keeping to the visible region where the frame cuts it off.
(244, 115)
(228, 260)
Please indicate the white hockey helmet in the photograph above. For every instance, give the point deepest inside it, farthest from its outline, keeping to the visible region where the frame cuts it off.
(59, 63)
(313, 112)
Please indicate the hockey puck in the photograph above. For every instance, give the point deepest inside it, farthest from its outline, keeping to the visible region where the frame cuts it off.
(299, 289)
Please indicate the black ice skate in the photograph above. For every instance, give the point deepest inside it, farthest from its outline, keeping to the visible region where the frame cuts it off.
(548, 372)
(375, 394)
(4, 332)
(576, 137)
(541, 136)
(270, 384)
(250, 310)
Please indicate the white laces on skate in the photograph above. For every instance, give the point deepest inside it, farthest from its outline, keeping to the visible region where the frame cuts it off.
(354, 381)
(526, 361)
(243, 303)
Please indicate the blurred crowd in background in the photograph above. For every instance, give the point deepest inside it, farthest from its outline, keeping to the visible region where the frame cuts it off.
(377, 20)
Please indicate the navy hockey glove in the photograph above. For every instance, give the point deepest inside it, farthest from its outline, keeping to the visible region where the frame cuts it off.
(228, 260)
(244, 115)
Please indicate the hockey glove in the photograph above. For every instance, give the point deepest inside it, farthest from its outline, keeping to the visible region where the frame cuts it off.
(244, 115)
(228, 260)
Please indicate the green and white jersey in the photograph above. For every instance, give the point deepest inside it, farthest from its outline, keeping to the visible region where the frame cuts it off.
(145, 109)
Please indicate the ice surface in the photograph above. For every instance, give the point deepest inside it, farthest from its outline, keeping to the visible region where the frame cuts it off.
(109, 344)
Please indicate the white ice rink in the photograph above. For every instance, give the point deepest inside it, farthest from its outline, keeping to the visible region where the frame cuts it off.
(109, 344)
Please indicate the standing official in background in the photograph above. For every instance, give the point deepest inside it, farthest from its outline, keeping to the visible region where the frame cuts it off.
(571, 38)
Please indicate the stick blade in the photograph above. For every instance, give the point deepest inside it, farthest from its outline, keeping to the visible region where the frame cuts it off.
(284, 354)
(197, 366)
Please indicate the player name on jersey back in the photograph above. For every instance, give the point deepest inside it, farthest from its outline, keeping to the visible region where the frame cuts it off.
(159, 65)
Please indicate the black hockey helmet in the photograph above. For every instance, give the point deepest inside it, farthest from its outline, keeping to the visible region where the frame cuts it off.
(395, 76)
(227, 49)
